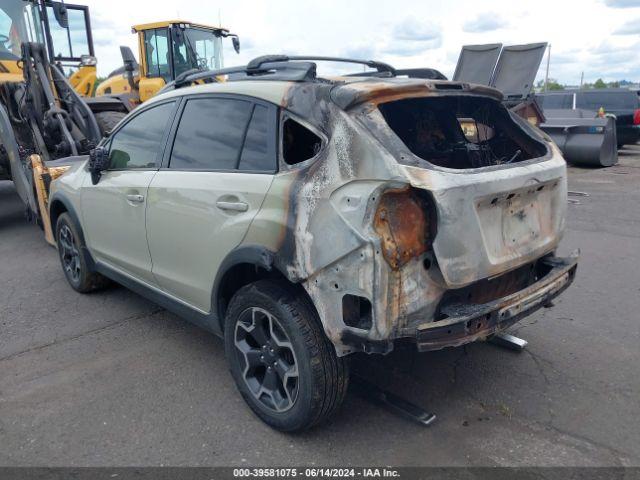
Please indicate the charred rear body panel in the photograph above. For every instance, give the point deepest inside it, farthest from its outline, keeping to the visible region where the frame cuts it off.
(378, 237)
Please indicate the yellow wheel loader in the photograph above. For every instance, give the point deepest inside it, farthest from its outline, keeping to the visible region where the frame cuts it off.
(167, 50)
(43, 117)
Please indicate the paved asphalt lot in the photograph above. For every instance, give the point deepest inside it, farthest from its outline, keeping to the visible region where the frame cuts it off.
(111, 379)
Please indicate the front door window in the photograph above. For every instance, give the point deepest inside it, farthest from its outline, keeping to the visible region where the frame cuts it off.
(137, 144)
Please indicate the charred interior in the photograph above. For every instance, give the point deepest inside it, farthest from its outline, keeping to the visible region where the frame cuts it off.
(298, 142)
(460, 132)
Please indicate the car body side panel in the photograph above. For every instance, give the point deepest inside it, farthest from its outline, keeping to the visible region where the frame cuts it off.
(189, 235)
(114, 226)
(68, 189)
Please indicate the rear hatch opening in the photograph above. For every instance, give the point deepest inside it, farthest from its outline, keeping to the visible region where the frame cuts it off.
(460, 131)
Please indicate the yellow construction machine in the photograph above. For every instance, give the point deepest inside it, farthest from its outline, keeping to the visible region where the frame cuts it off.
(167, 50)
(46, 118)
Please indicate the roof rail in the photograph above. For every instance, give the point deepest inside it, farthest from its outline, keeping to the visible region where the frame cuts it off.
(278, 67)
(257, 63)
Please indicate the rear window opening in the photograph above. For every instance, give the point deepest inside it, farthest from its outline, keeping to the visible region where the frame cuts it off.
(460, 132)
(298, 142)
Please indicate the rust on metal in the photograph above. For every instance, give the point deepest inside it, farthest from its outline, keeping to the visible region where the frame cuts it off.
(403, 226)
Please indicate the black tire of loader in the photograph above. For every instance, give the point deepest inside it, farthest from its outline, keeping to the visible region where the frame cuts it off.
(108, 120)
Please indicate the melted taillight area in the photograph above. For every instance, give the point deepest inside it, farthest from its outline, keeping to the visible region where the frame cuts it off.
(636, 117)
(405, 220)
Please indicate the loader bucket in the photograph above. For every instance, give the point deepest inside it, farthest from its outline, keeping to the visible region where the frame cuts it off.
(583, 141)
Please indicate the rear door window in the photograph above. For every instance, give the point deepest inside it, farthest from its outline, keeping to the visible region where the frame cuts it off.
(139, 142)
(298, 142)
(259, 152)
(211, 134)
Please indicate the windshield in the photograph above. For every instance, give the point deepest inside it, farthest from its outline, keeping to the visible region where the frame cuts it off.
(19, 22)
(197, 48)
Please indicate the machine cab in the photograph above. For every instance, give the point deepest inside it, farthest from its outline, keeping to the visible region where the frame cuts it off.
(168, 49)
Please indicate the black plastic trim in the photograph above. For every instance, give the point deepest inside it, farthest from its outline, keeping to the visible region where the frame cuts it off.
(251, 254)
(62, 198)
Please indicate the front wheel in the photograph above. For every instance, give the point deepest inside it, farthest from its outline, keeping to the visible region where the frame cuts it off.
(72, 259)
(283, 364)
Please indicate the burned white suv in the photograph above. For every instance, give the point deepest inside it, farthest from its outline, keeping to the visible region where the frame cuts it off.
(307, 218)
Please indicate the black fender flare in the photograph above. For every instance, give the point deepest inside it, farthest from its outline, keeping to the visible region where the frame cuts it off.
(60, 197)
(257, 255)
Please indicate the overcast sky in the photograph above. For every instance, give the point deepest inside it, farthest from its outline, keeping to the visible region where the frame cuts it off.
(599, 37)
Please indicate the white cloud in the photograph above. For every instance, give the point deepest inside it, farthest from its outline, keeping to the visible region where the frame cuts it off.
(485, 22)
(631, 27)
(622, 3)
(406, 34)
(412, 30)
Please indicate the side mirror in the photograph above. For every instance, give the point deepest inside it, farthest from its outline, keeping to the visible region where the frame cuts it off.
(130, 65)
(236, 44)
(98, 163)
(129, 60)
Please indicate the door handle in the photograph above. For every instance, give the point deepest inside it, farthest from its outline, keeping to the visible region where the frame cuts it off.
(135, 198)
(233, 206)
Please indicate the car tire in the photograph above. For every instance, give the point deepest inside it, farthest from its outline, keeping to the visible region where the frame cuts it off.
(272, 334)
(74, 265)
(108, 120)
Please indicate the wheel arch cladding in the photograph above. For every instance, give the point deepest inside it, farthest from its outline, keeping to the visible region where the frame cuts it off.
(241, 267)
(56, 209)
(59, 204)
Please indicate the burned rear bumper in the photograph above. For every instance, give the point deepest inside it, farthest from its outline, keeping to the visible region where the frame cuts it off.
(470, 322)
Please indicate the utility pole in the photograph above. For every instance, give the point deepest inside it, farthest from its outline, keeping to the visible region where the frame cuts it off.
(546, 77)
(581, 80)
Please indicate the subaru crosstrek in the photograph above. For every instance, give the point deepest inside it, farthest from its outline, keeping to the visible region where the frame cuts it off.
(305, 218)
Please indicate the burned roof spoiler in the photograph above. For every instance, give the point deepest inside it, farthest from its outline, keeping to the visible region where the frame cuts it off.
(424, 73)
(349, 95)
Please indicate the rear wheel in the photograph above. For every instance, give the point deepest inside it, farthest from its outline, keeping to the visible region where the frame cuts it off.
(282, 362)
(73, 260)
(108, 120)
